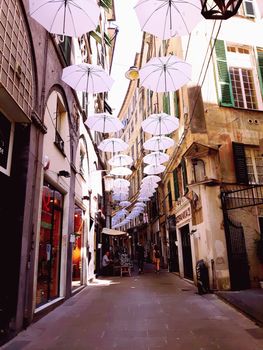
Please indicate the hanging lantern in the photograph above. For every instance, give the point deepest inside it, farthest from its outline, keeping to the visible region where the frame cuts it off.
(220, 9)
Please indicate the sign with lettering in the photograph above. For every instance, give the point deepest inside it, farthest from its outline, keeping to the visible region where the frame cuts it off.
(183, 215)
(5, 135)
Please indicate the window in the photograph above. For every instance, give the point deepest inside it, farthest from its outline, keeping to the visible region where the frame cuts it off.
(237, 75)
(254, 163)
(169, 194)
(60, 115)
(65, 47)
(248, 164)
(244, 93)
(248, 8)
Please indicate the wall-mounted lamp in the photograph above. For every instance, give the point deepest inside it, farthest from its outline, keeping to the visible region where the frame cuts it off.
(87, 198)
(64, 173)
(132, 73)
(219, 9)
(108, 181)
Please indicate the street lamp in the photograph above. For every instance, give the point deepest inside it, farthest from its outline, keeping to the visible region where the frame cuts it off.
(219, 9)
(108, 182)
(132, 73)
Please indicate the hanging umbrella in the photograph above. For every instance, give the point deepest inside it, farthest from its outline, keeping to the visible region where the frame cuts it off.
(120, 160)
(120, 182)
(87, 77)
(125, 204)
(143, 199)
(164, 74)
(120, 197)
(158, 143)
(121, 171)
(71, 18)
(122, 188)
(160, 124)
(104, 122)
(151, 178)
(113, 145)
(142, 205)
(167, 18)
(154, 169)
(156, 158)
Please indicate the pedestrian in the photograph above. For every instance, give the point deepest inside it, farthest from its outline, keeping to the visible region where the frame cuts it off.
(106, 264)
(157, 257)
(140, 257)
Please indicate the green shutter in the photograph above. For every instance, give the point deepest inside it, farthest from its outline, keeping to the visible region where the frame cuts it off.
(184, 175)
(176, 185)
(166, 103)
(223, 73)
(260, 66)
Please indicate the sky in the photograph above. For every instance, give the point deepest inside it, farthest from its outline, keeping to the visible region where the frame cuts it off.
(127, 44)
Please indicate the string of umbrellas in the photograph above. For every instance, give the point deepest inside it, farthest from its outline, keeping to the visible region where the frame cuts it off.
(164, 19)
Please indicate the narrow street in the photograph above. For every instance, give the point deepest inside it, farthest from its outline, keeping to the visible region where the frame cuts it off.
(142, 313)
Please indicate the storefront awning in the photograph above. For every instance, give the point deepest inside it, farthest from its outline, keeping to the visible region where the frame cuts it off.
(110, 231)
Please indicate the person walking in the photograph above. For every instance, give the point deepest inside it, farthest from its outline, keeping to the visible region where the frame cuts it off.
(157, 258)
(140, 257)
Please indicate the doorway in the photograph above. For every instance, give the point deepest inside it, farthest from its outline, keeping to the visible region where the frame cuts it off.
(187, 252)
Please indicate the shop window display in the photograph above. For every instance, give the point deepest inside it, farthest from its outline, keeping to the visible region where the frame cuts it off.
(49, 245)
(76, 252)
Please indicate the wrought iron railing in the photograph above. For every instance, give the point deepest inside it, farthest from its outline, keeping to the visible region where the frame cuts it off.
(245, 197)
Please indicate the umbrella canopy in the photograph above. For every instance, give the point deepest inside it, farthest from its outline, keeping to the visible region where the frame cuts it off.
(121, 171)
(143, 199)
(125, 204)
(87, 78)
(104, 122)
(151, 178)
(164, 74)
(166, 19)
(121, 182)
(71, 18)
(139, 204)
(156, 158)
(113, 145)
(160, 124)
(154, 169)
(158, 143)
(110, 231)
(120, 197)
(120, 160)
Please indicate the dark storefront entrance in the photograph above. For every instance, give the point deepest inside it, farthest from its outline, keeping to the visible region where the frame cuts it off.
(187, 252)
(173, 249)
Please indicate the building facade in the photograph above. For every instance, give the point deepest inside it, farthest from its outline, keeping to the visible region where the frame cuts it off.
(50, 217)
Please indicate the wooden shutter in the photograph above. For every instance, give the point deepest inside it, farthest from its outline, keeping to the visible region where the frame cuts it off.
(223, 74)
(176, 185)
(240, 162)
(184, 175)
(260, 66)
(176, 104)
(166, 103)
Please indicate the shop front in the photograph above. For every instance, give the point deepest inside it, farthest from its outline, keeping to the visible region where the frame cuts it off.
(77, 244)
(49, 257)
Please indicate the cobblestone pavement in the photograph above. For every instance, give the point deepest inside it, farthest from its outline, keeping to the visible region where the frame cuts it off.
(146, 312)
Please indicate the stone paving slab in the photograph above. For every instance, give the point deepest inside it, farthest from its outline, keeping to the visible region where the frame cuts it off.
(146, 312)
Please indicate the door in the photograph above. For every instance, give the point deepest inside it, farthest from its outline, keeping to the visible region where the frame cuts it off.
(187, 252)
(173, 249)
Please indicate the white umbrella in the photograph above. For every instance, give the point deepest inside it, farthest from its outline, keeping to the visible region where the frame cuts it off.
(154, 169)
(143, 199)
(87, 78)
(104, 122)
(120, 160)
(121, 188)
(125, 204)
(121, 171)
(158, 143)
(167, 18)
(160, 124)
(150, 178)
(120, 197)
(120, 182)
(113, 145)
(163, 74)
(142, 205)
(71, 18)
(156, 158)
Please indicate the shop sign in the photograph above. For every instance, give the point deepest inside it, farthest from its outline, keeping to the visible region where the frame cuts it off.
(183, 215)
(5, 136)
